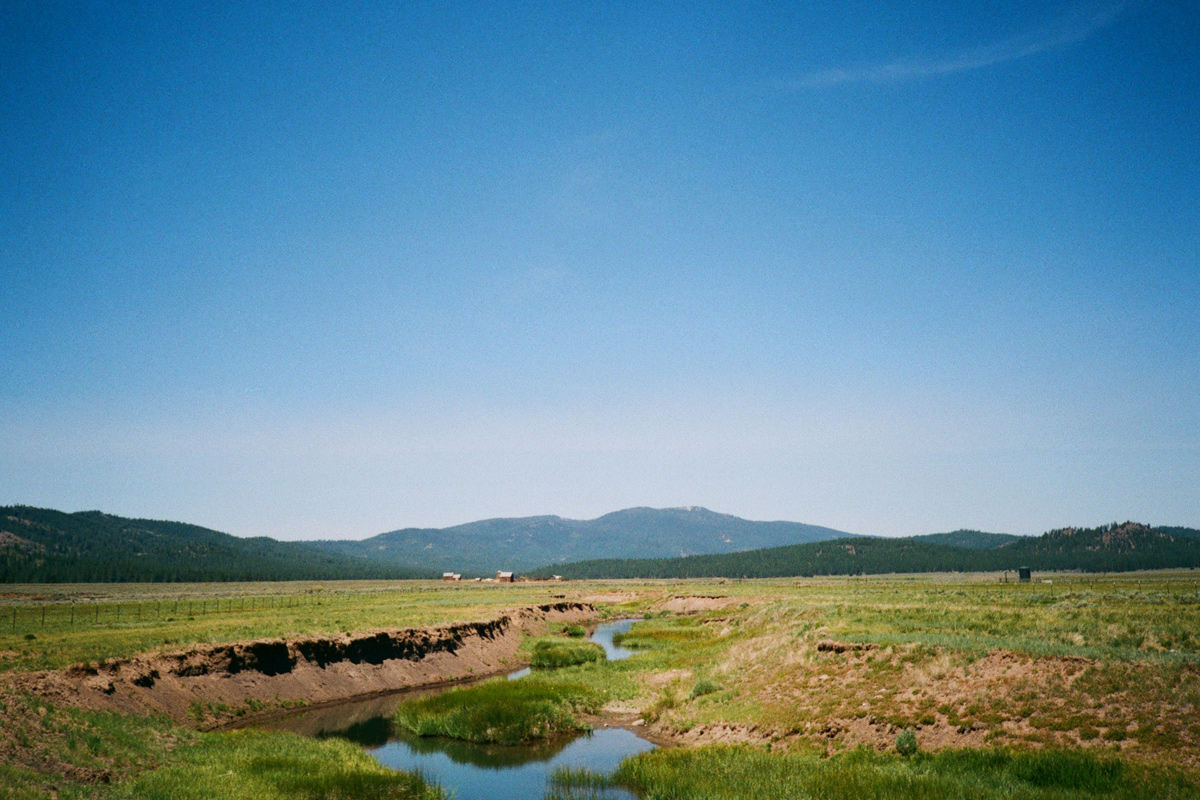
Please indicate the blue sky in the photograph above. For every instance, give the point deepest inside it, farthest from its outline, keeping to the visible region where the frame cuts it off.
(324, 272)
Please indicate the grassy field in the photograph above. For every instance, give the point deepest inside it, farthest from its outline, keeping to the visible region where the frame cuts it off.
(744, 773)
(93, 622)
(797, 675)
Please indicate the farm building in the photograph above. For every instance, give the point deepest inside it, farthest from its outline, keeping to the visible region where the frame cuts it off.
(451, 576)
(504, 577)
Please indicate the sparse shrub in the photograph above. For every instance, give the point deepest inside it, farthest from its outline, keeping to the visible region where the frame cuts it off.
(906, 743)
(705, 686)
(664, 703)
(29, 637)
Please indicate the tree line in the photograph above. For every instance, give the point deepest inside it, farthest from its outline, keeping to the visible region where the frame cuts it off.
(1119, 547)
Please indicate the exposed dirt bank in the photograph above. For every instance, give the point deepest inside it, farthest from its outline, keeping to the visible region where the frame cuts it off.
(212, 684)
(695, 604)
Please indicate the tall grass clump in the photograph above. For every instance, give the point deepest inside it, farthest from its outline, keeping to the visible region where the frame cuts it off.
(906, 743)
(568, 782)
(575, 631)
(556, 653)
(268, 765)
(501, 712)
(650, 634)
(744, 773)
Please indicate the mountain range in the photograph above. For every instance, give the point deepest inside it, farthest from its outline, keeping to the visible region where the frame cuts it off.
(523, 543)
(44, 545)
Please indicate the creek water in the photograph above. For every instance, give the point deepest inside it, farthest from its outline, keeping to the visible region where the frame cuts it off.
(470, 771)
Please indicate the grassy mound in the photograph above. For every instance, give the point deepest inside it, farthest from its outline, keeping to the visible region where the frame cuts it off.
(267, 765)
(744, 773)
(500, 711)
(555, 653)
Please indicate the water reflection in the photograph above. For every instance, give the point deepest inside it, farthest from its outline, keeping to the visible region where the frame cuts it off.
(337, 719)
(603, 636)
(487, 772)
(488, 756)
(471, 771)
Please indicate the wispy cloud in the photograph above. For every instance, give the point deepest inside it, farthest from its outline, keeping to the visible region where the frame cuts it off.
(1081, 23)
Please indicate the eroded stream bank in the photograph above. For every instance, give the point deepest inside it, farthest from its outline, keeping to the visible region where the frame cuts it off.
(212, 685)
(473, 771)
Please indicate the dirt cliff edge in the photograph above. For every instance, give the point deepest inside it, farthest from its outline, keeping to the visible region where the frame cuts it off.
(209, 684)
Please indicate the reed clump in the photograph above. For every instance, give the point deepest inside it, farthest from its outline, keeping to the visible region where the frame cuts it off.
(555, 653)
(501, 711)
(268, 765)
(747, 773)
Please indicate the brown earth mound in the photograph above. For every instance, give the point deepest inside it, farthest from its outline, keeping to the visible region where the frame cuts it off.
(696, 603)
(208, 685)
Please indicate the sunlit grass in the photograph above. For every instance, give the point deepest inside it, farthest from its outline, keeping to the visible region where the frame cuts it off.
(500, 711)
(745, 773)
(556, 653)
(263, 765)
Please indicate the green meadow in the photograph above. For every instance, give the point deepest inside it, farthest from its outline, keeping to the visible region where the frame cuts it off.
(745, 773)
(1083, 686)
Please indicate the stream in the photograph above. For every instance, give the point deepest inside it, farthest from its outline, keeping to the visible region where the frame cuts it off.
(470, 771)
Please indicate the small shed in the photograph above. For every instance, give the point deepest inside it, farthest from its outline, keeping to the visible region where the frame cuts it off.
(504, 577)
(452, 576)
(1024, 575)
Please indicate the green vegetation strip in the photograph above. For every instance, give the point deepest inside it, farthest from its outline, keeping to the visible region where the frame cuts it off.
(744, 773)
(556, 653)
(69, 753)
(268, 765)
(501, 711)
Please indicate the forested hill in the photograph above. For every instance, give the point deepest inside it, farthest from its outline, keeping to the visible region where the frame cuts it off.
(973, 540)
(1111, 548)
(522, 543)
(44, 546)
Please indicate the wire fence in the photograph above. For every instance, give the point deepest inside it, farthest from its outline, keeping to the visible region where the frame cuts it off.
(33, 616)
(25, 615)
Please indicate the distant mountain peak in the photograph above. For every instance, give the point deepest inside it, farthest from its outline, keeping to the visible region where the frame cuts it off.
(523, 543)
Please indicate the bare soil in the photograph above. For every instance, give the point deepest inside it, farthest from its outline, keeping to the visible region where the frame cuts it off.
(694, 604)
(207, 686)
